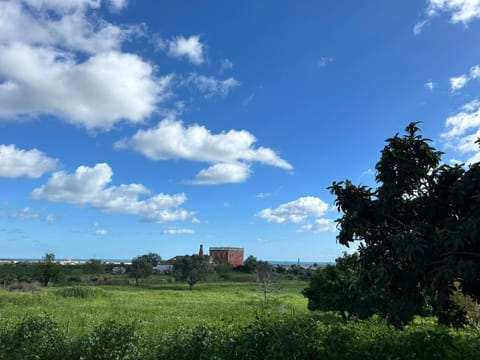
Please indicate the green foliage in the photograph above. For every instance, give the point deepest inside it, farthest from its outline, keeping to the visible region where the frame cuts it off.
(248, 265)
(141, 267)
(334, 288)
(224, 270)
(36, 337)
(81, 292)
(420, 230)
(266, 277)
(108, 340)
(49, 271)
(193, 268)
(94, 267)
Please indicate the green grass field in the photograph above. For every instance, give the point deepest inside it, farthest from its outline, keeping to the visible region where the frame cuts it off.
(153, 309)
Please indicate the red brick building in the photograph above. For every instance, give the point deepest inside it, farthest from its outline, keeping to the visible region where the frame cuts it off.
(230, 255)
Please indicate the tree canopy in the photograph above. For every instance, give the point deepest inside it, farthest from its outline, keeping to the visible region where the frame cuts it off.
(419, 230)
(49, 271)
(193, 268)
(142, 265)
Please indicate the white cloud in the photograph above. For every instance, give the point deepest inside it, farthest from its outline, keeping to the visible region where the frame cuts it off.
(175, 231)
(231, 152)
(463, 129)
(101, 232)
(226, 65)
(31, 23)
(97, 93)
(430, 85)
(88, 186)
(463, 11)
(170, 139)
(295, 211)
(324, 61)
(50, 218)
(62, 58)
(460, 11)
(16, 162)
(263, 195)
(223, 174)
(418, 27)
(318, 226)
(456, 83)
(212, 86)
(190, 48)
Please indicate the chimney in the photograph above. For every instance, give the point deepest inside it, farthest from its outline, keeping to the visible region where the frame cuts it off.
(200, 253)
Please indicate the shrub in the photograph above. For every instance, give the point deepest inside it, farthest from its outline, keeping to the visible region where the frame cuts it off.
(108, 340)
(80, 292)
(37, 337)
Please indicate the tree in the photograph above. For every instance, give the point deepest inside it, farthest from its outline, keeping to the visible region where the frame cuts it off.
(94, 267)
(49, 271)
(333, 288)
(249, 264)
(141, 268)
(153, 258)
(420, 230)
(193, 269)
(266, 277)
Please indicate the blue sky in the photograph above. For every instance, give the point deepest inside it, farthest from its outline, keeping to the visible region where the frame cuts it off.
(135, 126)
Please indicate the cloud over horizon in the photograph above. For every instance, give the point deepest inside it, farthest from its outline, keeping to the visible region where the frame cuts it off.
(88, 186)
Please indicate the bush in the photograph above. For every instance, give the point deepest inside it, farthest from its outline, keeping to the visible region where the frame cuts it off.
(109, 340)
(37, 337)
(80, 292)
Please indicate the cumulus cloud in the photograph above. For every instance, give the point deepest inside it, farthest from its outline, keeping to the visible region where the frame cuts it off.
(60, 58)
(456, 83)
(462, 130)
(103, 90)
(223, 174)
(212, 86)
(308, 211)
(460, 11)
(295, 211)
(181, 47)
(175, 231)
(88, 186)
(231, 152)
(318, 226)
(16, 162)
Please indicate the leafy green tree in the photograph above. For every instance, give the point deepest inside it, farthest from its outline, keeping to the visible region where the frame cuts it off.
(334, 288)
(193, 268)
(249, 264)
(420, 230)
(49, 271)
(141, 268)
(153, 258)
(94, 267)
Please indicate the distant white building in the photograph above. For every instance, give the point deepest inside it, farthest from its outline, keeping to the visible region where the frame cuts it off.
(164, 268)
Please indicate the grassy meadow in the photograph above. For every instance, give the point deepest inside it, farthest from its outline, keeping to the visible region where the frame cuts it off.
(153, 308)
